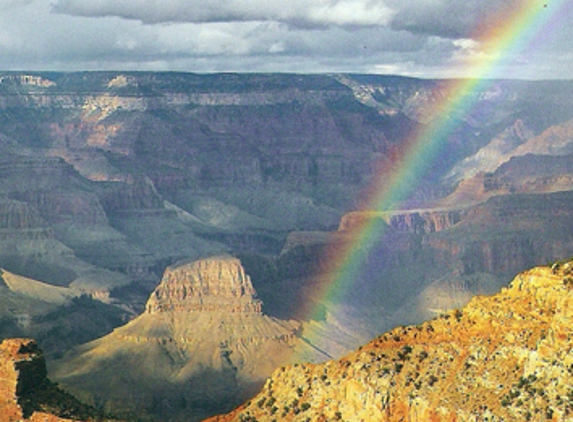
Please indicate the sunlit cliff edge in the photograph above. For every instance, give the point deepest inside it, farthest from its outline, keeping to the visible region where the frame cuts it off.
(26, 394)
(505, 357)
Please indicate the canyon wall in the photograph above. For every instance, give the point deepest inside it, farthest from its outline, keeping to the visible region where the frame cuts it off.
(413, 221)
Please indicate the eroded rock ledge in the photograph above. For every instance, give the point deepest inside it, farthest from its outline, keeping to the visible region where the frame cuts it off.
(26, 394)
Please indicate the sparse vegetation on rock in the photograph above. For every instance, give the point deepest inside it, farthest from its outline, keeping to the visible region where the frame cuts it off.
(501, 358)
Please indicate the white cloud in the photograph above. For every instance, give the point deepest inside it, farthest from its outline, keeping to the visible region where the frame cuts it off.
(466, 43)
(447, 18)
(277, 47)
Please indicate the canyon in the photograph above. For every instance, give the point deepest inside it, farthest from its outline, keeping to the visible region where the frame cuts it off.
(134, 205)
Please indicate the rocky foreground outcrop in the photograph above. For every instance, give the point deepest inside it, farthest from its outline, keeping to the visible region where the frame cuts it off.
(202, 346)
(25, 392)
(505, 357)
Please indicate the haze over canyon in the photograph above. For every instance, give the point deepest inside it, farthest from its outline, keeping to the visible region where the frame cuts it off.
(167, 238)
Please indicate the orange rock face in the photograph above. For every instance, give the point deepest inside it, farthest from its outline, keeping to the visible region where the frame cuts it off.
(14, 355)
(501, 358)
(22, 371)
(26, 393)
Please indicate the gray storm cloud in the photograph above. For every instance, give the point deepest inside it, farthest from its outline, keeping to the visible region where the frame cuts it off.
(425, 38)
(295, 12)
(456, 19)
(8, 4)
(444, 18)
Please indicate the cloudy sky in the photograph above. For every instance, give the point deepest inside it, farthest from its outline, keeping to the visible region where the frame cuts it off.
(424, 38)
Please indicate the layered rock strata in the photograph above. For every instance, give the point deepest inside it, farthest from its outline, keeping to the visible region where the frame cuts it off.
(198, 286)
(413, 221)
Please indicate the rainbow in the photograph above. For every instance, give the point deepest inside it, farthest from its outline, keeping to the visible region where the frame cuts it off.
(507, 33)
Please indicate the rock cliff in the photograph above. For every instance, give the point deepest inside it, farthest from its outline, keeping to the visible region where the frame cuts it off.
(503, 235)
(516, 161)
(26, 394)
(501, 357)
(414, 221)
(218, 285)
(66, 207)
(491, 156)
(138, 195)
(23, 172)
(19, 215)
(30, 247)
(202, 344)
